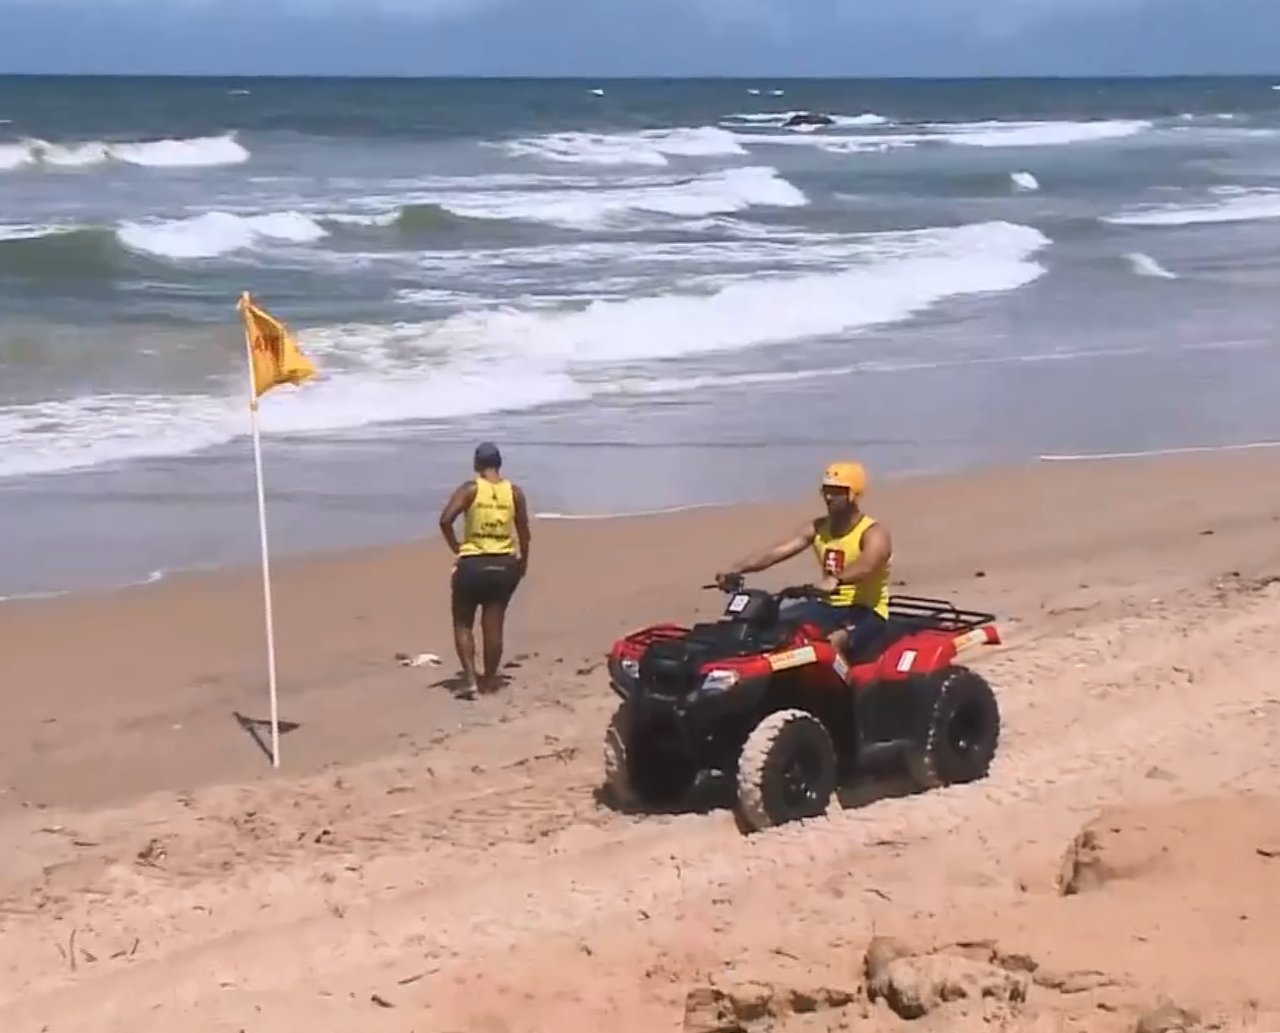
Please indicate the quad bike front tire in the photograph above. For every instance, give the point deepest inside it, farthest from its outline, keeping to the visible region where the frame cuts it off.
(787, 770)
(960, 730)
(638, 771)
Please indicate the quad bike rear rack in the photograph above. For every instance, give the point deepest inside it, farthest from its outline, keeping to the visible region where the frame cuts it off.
(922, 612)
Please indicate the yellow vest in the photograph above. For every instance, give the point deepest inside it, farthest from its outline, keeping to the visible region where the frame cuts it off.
(835, 552)
(489, 522)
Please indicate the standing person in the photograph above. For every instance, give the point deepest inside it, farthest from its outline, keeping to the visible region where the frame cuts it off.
(492, 559)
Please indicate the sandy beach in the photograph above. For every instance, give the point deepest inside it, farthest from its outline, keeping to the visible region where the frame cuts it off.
(424, 863)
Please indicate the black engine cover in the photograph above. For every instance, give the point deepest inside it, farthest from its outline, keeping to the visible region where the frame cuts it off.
(670, 668)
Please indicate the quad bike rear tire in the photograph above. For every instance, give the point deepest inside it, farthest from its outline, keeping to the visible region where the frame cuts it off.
(787, 770)
(960, 731)
(638, 770)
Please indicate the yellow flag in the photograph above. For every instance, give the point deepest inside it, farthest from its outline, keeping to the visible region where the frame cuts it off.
(273, 351)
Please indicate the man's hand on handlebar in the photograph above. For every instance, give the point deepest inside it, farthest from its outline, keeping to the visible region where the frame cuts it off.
(729, 581)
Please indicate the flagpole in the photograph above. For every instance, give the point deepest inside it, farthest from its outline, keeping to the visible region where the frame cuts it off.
(266, 561)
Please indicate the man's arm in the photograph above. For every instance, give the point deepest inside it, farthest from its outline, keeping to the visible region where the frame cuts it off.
(877, 547)
(776, 554)
(523, 534)
(458, 502)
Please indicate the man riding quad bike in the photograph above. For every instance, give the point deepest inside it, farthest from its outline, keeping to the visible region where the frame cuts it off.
(854, 553)
(789, 700)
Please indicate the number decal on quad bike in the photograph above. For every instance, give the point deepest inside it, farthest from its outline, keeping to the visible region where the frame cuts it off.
(738, 603)
(792, 658)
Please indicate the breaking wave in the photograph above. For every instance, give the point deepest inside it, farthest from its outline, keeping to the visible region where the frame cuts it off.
(33, 250)
(1235, 206)
(217, 233)
(197, 152)
(652, 148)
(717, 193)
(509, 359)
(585, 207)
(1035, 134)
(989, 134)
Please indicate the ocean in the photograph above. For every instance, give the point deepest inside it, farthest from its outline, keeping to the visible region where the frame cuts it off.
(651, 294)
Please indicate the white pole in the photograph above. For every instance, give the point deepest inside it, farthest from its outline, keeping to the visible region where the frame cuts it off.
(266, 561)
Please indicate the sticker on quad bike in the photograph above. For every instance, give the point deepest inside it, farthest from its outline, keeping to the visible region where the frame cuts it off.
(905, 661)
(738, 603)
(792, 658)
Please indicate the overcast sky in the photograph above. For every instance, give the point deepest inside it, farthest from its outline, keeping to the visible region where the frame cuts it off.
(641, 37)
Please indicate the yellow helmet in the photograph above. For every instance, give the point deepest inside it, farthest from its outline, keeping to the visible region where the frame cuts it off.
(850, 475)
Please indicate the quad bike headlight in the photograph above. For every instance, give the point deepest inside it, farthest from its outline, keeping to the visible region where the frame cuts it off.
(719, 681)
(630, 667)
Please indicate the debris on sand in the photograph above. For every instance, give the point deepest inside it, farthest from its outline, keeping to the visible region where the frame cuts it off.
(418, 660)
(915, 984)
(1168, 1017)
(749, 1005)
(970, 978)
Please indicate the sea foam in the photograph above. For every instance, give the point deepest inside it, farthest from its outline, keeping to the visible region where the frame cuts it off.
(216, 233)
(716, 193)
(1144, 265)
(651, 147)
(197, 152)
(507, 358)
(1237, 206)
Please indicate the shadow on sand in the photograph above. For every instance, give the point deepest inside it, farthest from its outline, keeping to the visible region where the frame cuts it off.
(259, 730)
(456, 684)
(716, 792)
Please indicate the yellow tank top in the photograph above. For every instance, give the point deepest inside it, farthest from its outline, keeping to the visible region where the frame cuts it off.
(489, 522)
(837, 552)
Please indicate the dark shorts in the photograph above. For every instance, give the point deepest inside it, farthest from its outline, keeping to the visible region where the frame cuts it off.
(863, 624)
(478, 580)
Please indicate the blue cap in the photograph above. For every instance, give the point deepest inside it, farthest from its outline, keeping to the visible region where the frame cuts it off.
(487, 455)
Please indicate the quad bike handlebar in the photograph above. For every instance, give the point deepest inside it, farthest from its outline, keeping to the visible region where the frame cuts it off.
(802, 592)
(737, 583)
(922, 611)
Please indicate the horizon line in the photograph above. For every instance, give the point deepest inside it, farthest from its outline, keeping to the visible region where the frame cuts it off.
(651, 77)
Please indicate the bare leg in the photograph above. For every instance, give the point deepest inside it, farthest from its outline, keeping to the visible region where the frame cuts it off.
(839, 639)
(859, 635)
(464, 640)
(492, 618)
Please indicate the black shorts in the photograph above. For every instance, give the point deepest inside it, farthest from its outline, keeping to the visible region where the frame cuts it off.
(478, 580)
(864, 626)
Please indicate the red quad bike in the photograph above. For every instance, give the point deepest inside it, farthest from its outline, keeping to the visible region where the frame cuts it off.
(764, 697)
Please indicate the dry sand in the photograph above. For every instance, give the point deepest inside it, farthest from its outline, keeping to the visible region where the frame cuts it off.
(423, 863)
